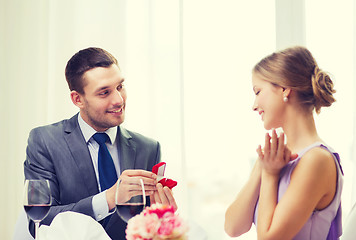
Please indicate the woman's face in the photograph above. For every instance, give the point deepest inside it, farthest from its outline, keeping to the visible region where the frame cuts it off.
(268, 102)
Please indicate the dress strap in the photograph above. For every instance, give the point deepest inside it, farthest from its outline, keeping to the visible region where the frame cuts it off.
(306, 149)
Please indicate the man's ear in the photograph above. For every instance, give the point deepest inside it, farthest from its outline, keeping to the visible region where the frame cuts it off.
(76, 99)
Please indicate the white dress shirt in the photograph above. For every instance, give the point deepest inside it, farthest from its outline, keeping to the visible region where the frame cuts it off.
(99, 203)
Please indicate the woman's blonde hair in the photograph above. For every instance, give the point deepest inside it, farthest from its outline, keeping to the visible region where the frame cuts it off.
(297, 69)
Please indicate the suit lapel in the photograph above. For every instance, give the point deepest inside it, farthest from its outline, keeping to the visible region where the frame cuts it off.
(127, 150)
(81, 155)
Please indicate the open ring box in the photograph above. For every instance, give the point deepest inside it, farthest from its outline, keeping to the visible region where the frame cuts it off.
(159, 169)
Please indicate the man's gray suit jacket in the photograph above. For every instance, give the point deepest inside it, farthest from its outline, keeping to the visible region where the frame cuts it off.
(59, 153)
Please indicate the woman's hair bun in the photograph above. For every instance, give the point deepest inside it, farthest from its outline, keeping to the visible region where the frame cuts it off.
(323, 89)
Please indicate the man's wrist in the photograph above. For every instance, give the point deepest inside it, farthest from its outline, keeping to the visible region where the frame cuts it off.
(110, 197)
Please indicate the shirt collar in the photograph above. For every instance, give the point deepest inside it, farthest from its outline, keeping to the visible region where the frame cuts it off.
(88, 131)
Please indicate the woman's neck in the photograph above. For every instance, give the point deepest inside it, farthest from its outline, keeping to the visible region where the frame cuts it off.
(300, 131)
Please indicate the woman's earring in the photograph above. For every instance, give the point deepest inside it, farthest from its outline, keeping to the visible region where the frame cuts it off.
(285, 99)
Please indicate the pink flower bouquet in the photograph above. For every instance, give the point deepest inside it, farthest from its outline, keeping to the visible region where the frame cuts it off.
(157, 222)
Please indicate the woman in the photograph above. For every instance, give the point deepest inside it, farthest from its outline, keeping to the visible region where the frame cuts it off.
(290, 196)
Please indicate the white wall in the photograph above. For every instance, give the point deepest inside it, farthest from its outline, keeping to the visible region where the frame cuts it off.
(330, 36)
(24, 69)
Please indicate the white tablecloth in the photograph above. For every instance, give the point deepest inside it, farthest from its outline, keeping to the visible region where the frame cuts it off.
(72, 225)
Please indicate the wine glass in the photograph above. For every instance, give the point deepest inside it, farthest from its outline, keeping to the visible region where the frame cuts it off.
(135, 205)
(37, 200)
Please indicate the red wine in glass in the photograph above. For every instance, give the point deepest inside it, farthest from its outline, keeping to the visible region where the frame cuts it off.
(132, 207)
(127, 211)
(37, 212)
(37, 200)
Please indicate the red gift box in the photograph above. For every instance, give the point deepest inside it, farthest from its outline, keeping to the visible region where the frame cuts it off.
(159, 170)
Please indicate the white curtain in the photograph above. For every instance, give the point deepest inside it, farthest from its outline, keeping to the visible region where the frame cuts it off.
(187, 67)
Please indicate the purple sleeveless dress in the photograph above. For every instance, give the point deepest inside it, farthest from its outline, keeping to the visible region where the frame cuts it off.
(324, 224)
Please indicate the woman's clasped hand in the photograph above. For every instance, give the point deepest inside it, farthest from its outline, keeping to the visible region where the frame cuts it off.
(275, 154)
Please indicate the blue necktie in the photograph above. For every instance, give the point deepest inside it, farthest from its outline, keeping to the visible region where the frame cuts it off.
(106, 167)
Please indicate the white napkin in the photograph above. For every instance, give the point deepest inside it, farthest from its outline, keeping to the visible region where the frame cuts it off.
(72, 225)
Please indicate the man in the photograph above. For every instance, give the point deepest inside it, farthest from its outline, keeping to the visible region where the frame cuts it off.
(68, 154)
